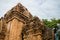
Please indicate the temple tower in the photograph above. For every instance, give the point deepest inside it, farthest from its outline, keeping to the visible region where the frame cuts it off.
(15, 21)
(19, 24)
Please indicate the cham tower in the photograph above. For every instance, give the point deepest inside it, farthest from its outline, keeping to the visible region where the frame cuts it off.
(19, 24)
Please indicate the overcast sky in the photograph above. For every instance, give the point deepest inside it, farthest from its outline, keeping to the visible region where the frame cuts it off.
(46, 9)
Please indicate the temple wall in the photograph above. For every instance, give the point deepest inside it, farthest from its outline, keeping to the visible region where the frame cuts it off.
(33, 36)
(14, 30)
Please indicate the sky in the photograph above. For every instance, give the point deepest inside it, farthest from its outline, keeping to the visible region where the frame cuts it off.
(44, 9)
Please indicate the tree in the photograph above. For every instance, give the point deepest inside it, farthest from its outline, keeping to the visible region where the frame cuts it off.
(52, 23)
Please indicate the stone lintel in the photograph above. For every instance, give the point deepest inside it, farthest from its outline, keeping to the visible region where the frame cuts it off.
(17, 19)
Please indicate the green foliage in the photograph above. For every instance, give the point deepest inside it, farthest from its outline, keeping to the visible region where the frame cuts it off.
(52, 23)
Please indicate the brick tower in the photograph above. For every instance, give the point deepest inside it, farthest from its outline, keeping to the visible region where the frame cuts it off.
(19, 24)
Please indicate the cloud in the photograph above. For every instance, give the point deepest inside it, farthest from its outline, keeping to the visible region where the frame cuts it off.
(41, 8)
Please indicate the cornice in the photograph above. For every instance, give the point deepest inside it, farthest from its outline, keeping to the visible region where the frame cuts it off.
(17, 14)
(16, 18)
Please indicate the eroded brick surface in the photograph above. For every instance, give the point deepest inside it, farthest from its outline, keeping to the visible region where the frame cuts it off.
(19, 24)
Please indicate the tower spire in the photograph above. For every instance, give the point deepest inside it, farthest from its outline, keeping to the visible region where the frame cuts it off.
(18, 8)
